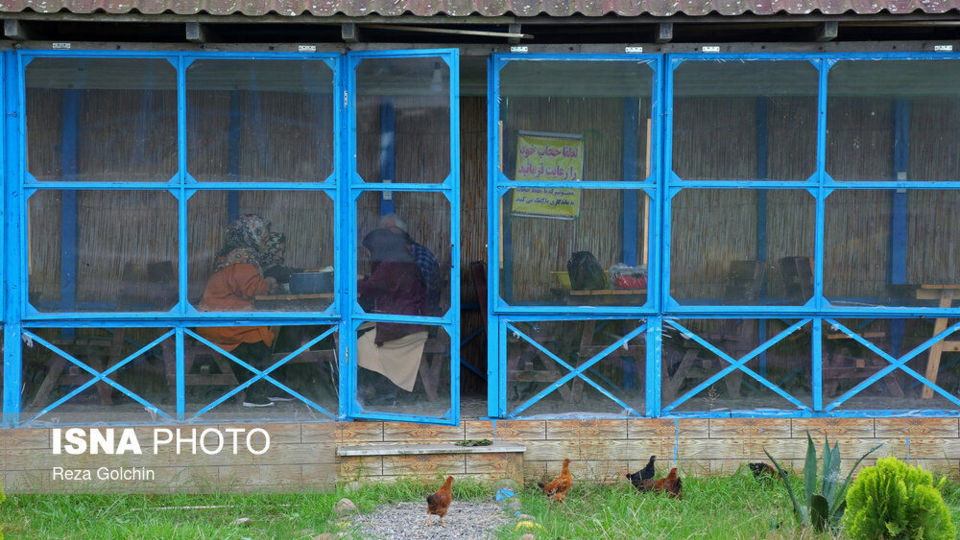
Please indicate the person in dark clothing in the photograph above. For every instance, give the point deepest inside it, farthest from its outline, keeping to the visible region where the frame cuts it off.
(395, 286)
(425, 260)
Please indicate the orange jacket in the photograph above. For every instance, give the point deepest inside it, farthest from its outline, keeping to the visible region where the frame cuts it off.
(233, 289)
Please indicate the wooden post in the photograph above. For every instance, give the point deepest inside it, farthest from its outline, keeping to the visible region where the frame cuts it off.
(936, 351)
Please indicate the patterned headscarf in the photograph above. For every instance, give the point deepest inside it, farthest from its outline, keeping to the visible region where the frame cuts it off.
(244, 243)
(272, 254)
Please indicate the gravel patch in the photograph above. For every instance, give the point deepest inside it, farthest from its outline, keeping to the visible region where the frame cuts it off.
(464, 520)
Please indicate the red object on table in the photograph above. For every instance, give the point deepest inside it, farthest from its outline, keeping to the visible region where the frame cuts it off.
(626, 281)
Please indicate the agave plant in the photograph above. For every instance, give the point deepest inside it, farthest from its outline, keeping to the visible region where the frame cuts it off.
(824, 506)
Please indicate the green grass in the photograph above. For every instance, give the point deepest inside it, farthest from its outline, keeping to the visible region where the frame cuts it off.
(735, 506)
(137, 516)
(715, 507)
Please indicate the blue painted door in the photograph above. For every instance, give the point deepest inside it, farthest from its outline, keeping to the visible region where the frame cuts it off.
(402, 319)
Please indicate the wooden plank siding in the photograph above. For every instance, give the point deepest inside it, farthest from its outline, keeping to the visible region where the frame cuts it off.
(302, 457)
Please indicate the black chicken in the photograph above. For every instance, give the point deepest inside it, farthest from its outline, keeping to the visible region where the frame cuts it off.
(643, 479)
(762, 470)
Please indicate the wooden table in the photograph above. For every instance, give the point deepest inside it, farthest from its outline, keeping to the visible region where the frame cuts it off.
(289, 300)
(603, 297)
(946, 294)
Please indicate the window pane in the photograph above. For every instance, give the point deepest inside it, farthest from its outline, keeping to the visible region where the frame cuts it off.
(687, 364)
(403, 120)
(893, 120)
(102, 250)
(847, 363)
(891, 249)
(261, 250)
(312, 375)
(98, 119)
(260, 120)
(621, 373)
(48, 376)
(745, 120)
(742, 246)
(403, 369)
(404, 258)
(604, 108)
(543, 259)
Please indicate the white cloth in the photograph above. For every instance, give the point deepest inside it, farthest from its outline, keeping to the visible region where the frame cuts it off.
(397, 360)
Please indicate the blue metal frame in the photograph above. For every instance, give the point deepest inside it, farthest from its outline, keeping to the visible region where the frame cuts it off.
(661, 310)
(354, 315)
(573, 372)
(20, 184)
(344, 186)
(498, 183)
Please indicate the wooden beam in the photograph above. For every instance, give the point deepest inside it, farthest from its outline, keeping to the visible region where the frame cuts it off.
(14, 29)
(349, 33)
(827, 31)
(195, 33)
(664, 33)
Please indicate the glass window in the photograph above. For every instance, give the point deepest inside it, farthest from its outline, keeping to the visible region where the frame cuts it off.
(305, 385)
(742, 246)
(884, 248)
(621, 373)
(102, 250)
(403, 120)
(101, 119)
(893, 120)
(404, 256)
(601, 110)
(848, 362)
(261, 250)
(688, 364)
(568, 247)
(260, 120)
(403, 369)
(49, 376)
(745, 120)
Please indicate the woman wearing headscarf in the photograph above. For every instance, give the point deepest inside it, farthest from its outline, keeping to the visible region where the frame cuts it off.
(273, 257)
(237, 279)
(395, 286)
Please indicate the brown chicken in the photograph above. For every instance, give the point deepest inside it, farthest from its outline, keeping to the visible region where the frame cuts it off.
(439, 502)
(559, 488)
(671, 484)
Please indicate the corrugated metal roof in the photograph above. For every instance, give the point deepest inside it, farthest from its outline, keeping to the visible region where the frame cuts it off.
(490, 8)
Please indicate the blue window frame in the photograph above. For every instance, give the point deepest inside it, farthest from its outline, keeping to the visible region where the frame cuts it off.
(204, 145)
(794, 198)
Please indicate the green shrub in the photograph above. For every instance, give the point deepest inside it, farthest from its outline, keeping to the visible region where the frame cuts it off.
(894, 500)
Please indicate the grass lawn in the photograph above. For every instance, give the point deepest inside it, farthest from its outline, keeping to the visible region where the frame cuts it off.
(735, 506)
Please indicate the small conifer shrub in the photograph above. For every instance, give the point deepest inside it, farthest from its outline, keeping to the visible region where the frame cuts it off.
(894, 500)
